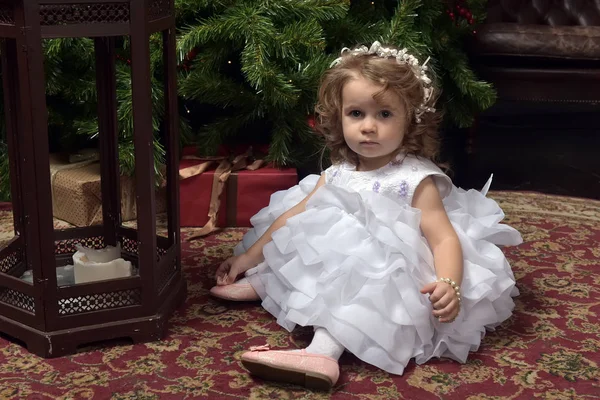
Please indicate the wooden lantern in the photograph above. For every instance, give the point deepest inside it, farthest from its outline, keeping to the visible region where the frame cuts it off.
(54, 320)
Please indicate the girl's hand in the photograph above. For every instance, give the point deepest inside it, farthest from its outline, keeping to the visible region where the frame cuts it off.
(442, 296)
(229, 270)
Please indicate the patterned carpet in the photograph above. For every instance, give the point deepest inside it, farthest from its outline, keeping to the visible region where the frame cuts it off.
(549, 349)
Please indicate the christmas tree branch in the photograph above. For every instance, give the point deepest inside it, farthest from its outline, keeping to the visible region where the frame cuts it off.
(210, 57)
(266, 77)
(279, 150)
(319, 10)
(299, 40)
(402, 30)
(457, 66)
(216, 89)
(234, 25)
(212, 135)
(351, 32)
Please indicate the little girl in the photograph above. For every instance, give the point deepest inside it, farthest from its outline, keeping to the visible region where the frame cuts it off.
(381, 254)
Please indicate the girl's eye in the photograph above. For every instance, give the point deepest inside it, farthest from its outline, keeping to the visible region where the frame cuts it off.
(355, 113)
(386, 114)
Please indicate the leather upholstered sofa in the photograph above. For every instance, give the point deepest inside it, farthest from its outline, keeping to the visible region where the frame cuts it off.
(540, 50)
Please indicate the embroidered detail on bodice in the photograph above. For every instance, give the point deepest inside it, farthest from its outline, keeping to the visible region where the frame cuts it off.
(397, 180)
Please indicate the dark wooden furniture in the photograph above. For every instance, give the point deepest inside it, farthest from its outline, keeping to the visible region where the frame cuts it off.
(52, 320)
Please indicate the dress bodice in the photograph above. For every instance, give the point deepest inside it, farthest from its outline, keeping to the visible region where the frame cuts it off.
(397, 180)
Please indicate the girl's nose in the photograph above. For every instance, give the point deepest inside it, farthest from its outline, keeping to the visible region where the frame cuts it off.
(368, 125)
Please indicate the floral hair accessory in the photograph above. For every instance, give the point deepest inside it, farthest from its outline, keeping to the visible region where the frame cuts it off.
(402, 57)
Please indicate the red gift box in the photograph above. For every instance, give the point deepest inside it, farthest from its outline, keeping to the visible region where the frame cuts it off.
(245, 192)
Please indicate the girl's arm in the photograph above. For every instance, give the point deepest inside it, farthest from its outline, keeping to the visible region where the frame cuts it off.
(255, 251)
(229, 270)
(446, 248)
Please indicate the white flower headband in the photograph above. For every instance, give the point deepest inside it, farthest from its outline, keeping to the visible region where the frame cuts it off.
(402, 57)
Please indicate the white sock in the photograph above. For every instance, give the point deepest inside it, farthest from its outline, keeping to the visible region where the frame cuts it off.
(325, 344)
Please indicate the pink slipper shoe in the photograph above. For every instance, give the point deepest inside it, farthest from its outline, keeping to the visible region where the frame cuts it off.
(313, 371)
(235, 292)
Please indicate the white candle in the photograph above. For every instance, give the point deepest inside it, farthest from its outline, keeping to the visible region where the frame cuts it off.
(92, 265)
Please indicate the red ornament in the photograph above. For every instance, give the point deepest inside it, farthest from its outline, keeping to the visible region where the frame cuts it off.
(191, 54)
(311, 121)
(128, 61)
(452, 15)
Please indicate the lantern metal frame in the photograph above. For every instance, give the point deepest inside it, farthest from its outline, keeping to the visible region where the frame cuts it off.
(51, 320)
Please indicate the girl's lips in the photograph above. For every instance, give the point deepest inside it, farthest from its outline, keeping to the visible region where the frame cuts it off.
(369, 143)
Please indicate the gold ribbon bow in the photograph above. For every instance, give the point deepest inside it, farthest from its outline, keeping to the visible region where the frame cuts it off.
(222, 174)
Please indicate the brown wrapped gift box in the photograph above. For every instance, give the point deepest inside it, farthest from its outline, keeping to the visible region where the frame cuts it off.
(77, 194)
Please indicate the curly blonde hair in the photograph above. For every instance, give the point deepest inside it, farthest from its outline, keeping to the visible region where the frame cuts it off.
(420, 139)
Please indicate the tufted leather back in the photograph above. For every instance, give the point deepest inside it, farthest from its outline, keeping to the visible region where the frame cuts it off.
(545, 12)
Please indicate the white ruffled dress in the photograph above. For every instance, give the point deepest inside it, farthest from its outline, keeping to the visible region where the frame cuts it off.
(355, 260)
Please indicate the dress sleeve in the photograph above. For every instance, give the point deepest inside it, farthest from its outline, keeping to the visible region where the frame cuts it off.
(422, 168)
(331, 173)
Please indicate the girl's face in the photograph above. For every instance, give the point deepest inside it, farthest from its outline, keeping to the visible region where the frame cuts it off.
(373, 129)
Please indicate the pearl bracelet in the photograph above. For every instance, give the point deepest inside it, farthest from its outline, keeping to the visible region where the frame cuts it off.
(452, 284)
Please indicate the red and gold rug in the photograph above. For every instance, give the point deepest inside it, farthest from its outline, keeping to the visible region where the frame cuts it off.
(549, 349)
